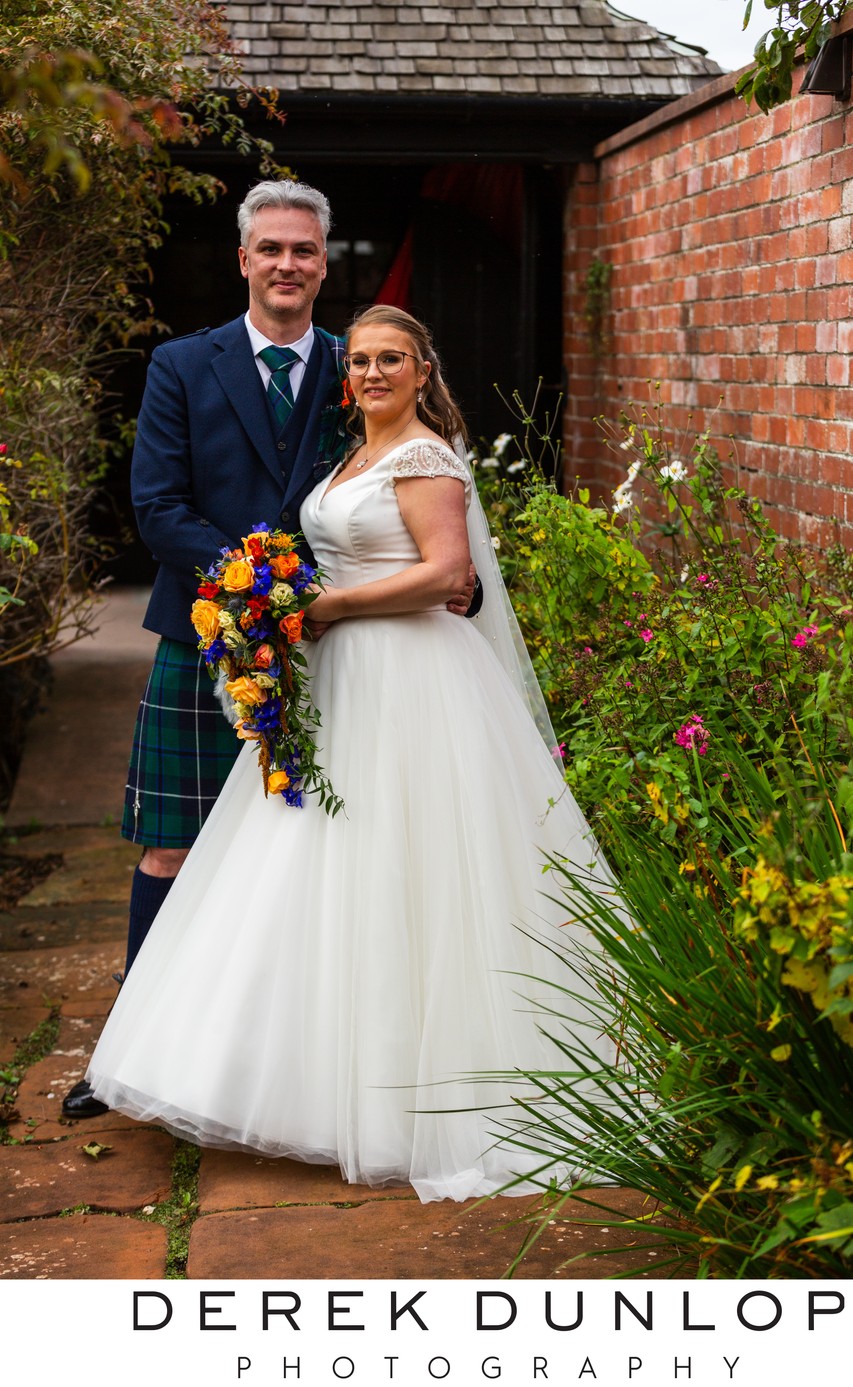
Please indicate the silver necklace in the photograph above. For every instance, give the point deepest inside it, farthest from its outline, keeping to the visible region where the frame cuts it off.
(365, 460)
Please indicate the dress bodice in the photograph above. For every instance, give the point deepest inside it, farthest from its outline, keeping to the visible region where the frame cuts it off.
(356, 531)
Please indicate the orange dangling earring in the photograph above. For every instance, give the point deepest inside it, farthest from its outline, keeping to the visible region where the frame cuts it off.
(347, 401)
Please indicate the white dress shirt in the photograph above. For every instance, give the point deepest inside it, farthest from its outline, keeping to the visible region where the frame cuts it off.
(302, 349)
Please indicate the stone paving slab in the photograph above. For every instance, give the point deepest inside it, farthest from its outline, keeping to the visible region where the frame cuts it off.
(39, 1103)
(57, 926)
(237, 1180)
(38, 1180)
(97, 866)
(76, 973)
(85, 784)
(83, 1247)
(17, 1022)
(399, 1239)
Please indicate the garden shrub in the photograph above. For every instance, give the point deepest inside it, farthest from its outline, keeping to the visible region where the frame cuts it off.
(698, 668)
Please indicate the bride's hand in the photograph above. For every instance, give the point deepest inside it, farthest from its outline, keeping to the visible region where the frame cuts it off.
(320, 614)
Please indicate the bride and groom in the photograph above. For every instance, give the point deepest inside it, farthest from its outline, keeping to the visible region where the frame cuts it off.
(366, 990)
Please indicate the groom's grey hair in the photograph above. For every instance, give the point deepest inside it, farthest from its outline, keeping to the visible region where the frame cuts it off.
(288, 195)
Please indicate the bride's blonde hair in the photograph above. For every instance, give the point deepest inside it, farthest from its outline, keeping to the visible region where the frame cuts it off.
(437, 409)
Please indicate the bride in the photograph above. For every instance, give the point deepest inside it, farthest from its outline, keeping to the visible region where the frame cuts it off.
(368, 990)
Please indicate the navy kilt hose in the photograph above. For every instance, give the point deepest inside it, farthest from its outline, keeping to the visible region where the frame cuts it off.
(183, 750)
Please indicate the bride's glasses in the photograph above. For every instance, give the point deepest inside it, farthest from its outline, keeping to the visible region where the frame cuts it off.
(389, 363)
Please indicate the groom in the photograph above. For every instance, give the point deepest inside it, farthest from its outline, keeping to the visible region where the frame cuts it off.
(237, 425)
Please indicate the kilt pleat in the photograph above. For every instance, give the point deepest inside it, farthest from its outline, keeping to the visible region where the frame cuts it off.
(183, 751)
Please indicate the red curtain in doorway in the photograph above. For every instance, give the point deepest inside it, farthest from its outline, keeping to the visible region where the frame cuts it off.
(491, 192)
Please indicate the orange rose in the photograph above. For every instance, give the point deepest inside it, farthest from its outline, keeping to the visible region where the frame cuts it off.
(238, 576)
(283, 565)
(245, 690)
(278, 781)
(291, 626)
(205, 618)
(264, 656)
(246, 734)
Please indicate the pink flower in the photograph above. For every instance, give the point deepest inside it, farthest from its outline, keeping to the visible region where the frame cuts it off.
(628, 684)
(693, 733)
(647, 635)
(803, 637)
(703, 578)
(2, 450)
(627, 623)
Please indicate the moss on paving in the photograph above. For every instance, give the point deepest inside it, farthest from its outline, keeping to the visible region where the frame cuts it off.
(178, 1213)
(40, 1043)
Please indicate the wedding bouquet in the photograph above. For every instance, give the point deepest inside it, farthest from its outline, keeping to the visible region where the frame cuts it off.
(248, 616)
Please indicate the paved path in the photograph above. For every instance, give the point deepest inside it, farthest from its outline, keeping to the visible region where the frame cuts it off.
(148, 1206)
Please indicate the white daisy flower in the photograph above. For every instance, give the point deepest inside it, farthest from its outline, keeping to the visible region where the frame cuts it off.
(622, 500)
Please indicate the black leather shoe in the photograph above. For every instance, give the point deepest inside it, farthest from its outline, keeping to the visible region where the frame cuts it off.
(80, 1101)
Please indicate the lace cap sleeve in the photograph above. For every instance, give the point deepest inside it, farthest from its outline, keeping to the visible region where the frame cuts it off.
(422, 458)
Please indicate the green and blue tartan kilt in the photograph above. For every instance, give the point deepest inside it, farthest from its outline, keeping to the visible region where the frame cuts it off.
(183, 750)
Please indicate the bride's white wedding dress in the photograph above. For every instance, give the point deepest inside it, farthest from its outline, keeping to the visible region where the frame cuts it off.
(322, 988)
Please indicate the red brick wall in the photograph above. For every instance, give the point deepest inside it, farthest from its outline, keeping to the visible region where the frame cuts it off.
(729, 233)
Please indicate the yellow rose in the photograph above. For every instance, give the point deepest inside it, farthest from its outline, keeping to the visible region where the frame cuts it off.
(238, 576)
(205, 618)
(245, 690)
(278, 781)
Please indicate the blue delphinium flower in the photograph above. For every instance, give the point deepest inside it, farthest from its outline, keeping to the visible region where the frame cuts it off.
(215, 651)
(263, 580)
(304, 577)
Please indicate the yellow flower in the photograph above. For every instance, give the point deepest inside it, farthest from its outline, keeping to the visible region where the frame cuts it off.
(278, 781)
(782, 1053)
(767, 1182)
(742, 1176)
(205, 618)
(238, 576)
(245, 690)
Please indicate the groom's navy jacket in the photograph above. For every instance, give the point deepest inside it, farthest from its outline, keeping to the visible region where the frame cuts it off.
(210, 461)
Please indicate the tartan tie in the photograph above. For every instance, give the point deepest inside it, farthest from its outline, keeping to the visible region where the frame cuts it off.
(280, 360)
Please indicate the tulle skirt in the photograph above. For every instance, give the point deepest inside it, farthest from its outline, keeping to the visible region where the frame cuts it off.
(349, 990)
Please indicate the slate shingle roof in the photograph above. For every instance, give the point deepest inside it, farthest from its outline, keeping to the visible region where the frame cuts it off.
(552, 48)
